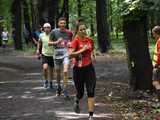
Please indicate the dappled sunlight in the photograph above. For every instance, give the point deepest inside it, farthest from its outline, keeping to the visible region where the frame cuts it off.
(28, 114)
(27, 96)
(120, 83)
(27, 92)
(9, 97)
(6, 95)
(100, 104)
(47, 97)
(38, 88)
(33, 74)
(72, 115)
(20, 81)
(3, 82)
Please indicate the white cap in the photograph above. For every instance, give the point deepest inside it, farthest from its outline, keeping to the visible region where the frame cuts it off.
(46, 25)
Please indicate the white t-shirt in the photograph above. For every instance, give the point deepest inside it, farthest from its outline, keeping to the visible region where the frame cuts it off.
(4, 35)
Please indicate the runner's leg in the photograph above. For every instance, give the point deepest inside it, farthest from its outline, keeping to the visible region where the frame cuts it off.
(79, 85)
(58, 76)
(51, 70)
(65, 76)
(51, 77)
(90, 86)
(45, 74)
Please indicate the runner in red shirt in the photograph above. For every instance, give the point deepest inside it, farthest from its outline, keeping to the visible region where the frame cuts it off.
(83, 70)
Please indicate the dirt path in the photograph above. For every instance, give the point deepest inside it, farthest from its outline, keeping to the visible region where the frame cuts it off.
(22, 96)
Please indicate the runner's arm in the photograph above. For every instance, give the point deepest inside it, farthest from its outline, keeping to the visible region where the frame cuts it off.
(74, 53)
(51, 42)
(39, 46)
(34, 40)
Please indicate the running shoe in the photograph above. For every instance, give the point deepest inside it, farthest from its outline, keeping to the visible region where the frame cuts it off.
(59, 89)
(45, 84)
(90, 118)
(76, 108)
(65, 93)
(51, 85)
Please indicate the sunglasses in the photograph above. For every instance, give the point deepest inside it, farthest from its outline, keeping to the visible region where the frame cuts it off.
(47, 27)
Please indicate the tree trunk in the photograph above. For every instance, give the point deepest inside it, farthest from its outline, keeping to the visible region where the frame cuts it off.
(91, 23)
(139, 62)
(79, 8)
(26, 22)
(102, 26)
(45, 11)
(158, 17)
(17, 24)
(1, 29)
(35, 13)
(49, 9)
(65, 11)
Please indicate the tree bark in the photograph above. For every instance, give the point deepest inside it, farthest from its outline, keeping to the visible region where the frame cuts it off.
(17, 24)
(139, 61)
(91, 23)
(35, 13)
(27, 22)
(79, 8)
(102, 26)
(65, 11)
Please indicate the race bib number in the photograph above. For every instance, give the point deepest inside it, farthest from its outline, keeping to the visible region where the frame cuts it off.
(59, 53)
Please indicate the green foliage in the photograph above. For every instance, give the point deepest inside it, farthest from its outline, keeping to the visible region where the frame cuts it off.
(87, 8)
(115, 15)
(129, 6)
(5, 11)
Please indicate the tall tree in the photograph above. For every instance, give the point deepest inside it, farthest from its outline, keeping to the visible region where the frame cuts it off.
(35, 13)
(91, 22)
(79, 5)
(49, 12)
(139, 61)
(65, 11)
(45, 11)
(102, 26)
(17, 23)
(27, 27)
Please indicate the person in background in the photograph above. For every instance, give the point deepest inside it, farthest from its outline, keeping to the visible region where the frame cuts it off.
(47, 55)
(5, 37)
(83, 71)
(156, 60)
(36, 34)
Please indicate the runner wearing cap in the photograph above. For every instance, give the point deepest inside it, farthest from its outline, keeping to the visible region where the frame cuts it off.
(47, 56)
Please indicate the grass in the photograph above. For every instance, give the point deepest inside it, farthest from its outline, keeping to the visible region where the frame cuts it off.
(118, 47)
(30, 50)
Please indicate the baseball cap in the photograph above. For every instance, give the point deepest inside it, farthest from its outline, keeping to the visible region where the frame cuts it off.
(46, 25)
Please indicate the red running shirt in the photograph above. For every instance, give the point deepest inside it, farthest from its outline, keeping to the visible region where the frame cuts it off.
(78, 44)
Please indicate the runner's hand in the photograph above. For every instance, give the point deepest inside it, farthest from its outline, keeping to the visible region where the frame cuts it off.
(38, 54)
(59, 40)
(86, 47)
